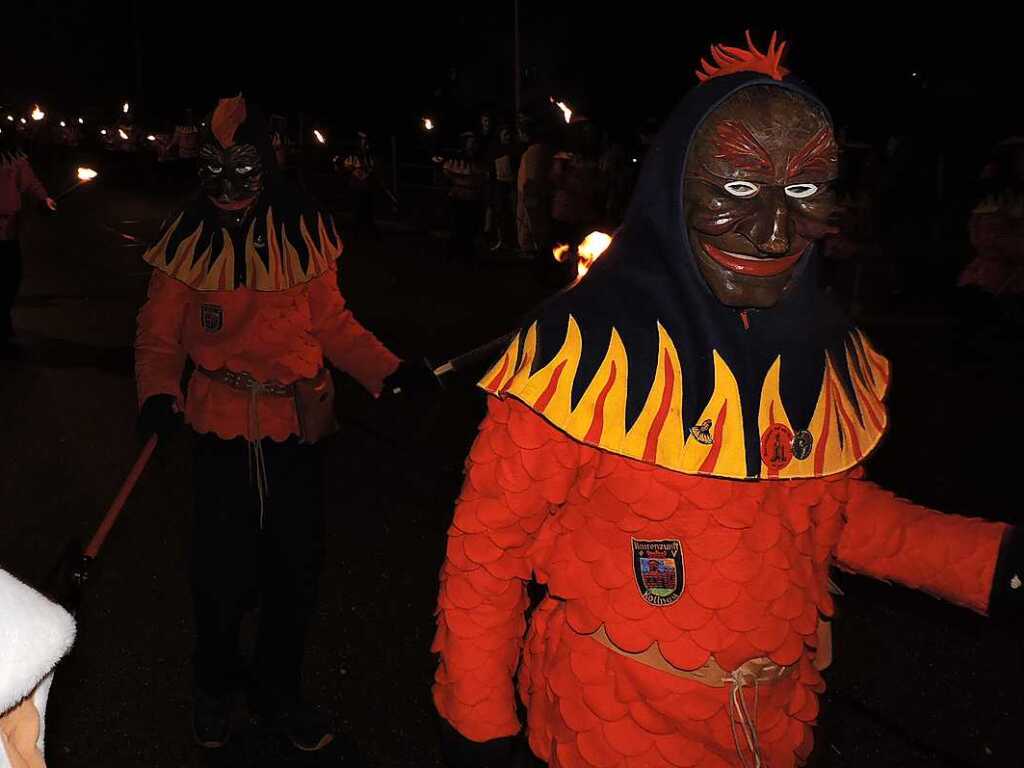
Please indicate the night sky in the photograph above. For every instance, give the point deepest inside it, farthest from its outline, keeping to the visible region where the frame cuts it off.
(384, 65)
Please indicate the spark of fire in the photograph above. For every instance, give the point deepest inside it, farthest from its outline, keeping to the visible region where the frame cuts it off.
(590, 250)
(319, 137)
(38, 114)
(86, 174)
(566, 111)
(122, 134)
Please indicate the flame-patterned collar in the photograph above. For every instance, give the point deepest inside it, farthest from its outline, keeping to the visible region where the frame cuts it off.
(848, 419)
(285, 242)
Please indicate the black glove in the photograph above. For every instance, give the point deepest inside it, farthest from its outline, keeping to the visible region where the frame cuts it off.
(1006, 602)
(158, 416)
(509, 752)
(411, 378)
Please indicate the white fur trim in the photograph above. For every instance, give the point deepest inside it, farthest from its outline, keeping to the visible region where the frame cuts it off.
(34, 634)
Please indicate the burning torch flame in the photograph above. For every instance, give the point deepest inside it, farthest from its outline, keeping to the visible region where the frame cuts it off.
(10, 118)
(63, 124)
(24, 121)
(319, 137)
(566, 111)
(122, 134)
(125, 108)
(428, 123)
(81, 121)
(38, 114)
(103, 131)
(587, 253)
(86, 174)
(151, 137)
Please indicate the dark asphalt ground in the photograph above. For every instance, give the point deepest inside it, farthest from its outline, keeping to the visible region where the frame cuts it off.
(915, 682)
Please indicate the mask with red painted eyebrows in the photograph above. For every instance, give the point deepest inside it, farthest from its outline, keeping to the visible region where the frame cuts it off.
(758, 192)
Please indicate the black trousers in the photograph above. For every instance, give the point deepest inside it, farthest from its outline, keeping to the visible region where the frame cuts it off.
(239, 562)
(10, 282)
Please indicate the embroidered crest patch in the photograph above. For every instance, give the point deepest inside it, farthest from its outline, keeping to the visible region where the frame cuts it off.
(211, 316)
(658, 567)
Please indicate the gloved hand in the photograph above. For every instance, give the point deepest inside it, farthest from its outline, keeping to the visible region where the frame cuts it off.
(411, 378)
(159, 415)
(509, 752)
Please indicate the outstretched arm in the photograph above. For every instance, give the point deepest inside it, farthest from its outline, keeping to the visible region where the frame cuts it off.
(949, 556)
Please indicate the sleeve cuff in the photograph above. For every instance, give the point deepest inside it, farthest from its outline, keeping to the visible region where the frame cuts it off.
(1006, 600)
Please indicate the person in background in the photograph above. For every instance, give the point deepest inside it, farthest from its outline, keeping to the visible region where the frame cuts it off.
(16, 179)
(504, 164)
(467, 174)
(360, 166)
(533, 187)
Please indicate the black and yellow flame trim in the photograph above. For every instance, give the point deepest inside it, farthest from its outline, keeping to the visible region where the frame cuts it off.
(846, 425)
(288, 256)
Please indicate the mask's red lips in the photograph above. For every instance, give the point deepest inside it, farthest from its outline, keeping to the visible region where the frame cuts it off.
(233, 206)
(752, 265)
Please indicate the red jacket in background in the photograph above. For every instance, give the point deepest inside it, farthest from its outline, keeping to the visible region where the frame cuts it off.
(16, 178)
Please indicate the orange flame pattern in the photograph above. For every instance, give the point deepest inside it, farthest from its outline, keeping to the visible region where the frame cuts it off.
(729, 60)
(844, 429)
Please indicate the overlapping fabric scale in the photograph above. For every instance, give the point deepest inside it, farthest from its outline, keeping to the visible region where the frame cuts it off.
(755, 555)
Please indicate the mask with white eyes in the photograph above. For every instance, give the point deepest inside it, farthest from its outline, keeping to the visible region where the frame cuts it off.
(758, 192)
(232, 178)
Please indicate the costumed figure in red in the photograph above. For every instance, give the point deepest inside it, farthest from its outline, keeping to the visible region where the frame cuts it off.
(673, 451)
(16, 179)
(245, 285)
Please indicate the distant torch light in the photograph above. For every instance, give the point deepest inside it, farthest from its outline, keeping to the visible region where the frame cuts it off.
(636, 160)
(103, 131)
(10, 118)
(122, 134)
(38, 114)
(63, 124)
(24, 121)
(81, 121)
(86, 174)
(151, 137)
(125, 108)
(566, 111)
(428, 123)
(319, 137)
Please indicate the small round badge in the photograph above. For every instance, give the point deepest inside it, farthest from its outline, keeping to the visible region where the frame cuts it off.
(777, 446)
(803, 442)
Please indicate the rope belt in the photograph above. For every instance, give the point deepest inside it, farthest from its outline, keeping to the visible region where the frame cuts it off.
(741, 720)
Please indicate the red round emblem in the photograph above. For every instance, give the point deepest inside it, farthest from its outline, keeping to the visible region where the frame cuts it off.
(777, 446)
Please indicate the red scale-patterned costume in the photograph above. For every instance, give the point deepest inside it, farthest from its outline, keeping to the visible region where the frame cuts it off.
(537, 503)
(635, 426)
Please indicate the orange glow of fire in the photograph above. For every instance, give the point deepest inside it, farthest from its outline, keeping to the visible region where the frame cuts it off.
(38, 114)
(566, 111)
(319, 137)
(590, 250)
(86, 174)
(587, 252)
